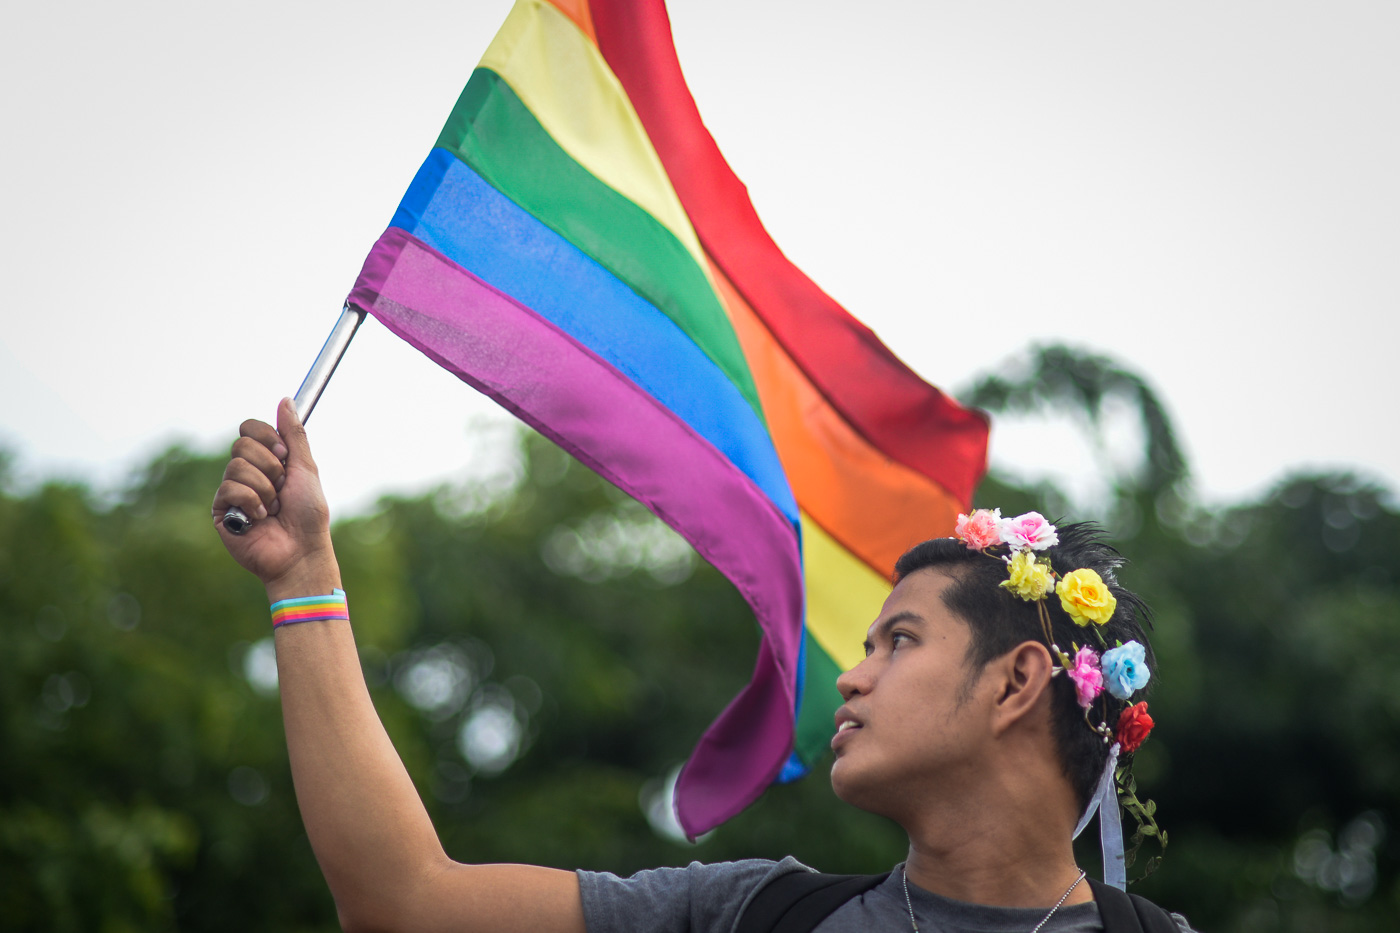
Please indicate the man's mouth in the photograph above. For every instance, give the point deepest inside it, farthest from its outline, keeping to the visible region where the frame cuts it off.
(848, 724)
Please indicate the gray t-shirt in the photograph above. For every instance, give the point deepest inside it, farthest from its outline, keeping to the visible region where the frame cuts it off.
(710, 899)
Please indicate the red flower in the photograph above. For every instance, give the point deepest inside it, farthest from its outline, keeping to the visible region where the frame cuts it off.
(1133, 726)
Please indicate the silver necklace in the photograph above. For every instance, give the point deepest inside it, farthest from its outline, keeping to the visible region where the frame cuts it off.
(904, 873)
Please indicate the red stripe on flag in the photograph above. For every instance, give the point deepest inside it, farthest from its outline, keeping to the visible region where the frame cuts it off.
(909, 420)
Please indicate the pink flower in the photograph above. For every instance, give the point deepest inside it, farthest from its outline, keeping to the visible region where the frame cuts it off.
(981, 529)
(1029, 531)
(1087, 677)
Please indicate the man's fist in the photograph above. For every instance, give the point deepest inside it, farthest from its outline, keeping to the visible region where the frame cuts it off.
(272, 478)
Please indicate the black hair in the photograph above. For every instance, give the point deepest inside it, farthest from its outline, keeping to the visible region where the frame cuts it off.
(999, 621)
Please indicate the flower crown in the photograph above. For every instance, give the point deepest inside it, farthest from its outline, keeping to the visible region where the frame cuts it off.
(1119, 671)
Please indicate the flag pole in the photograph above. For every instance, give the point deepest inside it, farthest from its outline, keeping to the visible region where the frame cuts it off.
(235, 520)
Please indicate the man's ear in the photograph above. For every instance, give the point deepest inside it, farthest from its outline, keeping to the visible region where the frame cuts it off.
(1023, 679)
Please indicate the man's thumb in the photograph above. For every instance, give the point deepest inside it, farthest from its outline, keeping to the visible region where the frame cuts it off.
(293, 434)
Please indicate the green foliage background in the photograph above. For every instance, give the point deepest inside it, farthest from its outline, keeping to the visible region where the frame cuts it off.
(144, 784)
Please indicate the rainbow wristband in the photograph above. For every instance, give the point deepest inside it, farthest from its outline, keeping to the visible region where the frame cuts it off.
(311, 609)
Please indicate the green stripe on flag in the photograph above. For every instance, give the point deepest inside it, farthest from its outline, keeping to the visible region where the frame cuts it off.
(492, 131)
(820, 700)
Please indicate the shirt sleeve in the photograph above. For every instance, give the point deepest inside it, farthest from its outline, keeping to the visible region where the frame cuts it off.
(696, 899)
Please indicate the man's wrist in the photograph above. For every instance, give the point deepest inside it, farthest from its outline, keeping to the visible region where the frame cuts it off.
(313, 577)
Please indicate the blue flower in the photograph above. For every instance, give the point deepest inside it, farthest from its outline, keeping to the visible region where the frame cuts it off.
(1125, 669)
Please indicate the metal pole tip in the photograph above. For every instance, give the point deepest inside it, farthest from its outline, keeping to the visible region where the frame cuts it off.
(236, 521)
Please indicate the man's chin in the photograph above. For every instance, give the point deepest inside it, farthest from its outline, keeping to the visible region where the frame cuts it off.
(847, 783)
(865, 788)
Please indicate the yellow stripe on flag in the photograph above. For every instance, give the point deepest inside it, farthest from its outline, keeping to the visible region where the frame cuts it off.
(559, 74)
(843, 595)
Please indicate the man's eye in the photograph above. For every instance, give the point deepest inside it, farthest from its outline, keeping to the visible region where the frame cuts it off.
(899, 638)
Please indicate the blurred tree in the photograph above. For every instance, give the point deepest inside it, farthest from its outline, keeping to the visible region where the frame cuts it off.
(143, 784)
(1066, 380)
(543, 653)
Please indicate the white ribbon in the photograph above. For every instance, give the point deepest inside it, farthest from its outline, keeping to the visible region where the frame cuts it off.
(1105, 801)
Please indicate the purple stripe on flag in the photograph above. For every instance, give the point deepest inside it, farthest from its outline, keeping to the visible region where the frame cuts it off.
(577, 399)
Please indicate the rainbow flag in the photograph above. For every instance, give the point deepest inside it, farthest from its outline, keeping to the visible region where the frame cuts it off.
(576, 247)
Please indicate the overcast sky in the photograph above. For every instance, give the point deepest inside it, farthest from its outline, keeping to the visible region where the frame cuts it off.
(1207, 192)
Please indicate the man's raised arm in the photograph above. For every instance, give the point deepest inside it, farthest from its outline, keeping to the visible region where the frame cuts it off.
(372, 836)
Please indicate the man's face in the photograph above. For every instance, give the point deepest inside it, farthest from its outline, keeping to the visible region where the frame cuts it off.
(913, 727)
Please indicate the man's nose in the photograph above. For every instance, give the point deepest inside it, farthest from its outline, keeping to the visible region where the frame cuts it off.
(855, 681)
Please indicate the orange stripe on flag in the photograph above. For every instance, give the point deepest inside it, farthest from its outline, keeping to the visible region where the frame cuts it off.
(577, 10)
(874, 506)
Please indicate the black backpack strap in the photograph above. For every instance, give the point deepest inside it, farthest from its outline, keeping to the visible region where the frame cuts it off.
(797, 901)
(1128, 913)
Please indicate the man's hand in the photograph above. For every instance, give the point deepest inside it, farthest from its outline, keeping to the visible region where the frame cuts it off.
(272, 478)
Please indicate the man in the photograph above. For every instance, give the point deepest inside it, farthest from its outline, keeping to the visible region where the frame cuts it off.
(963, 724)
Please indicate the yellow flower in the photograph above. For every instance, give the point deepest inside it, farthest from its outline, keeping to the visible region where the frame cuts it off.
(1030, 579)
(1086, 598)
